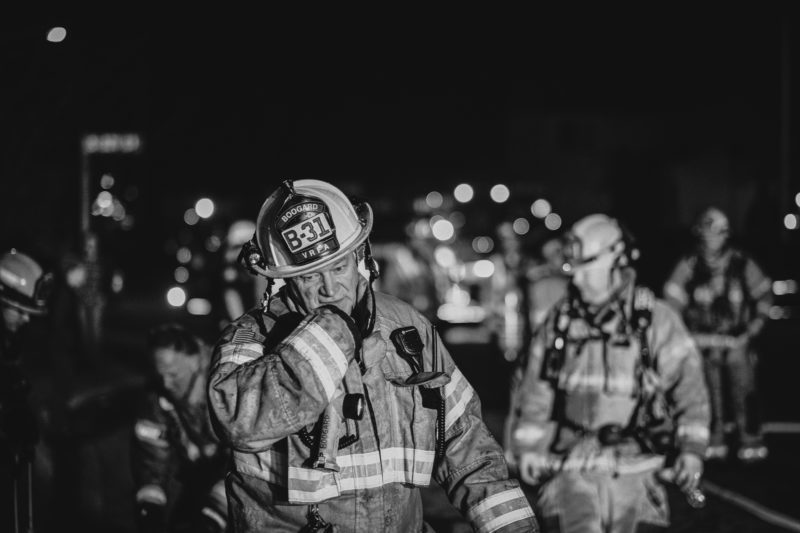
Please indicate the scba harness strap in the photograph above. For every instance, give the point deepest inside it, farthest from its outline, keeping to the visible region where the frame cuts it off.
(649, 413)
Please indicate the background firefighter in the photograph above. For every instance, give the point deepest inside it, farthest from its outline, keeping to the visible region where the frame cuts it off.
(724, 297)
(611, 394)
(178, 464)
(340, 402)
(24, 291)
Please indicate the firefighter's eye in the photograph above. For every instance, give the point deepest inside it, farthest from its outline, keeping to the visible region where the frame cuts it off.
(309, 278)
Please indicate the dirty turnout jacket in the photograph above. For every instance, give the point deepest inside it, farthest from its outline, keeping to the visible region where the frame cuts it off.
(275, 373)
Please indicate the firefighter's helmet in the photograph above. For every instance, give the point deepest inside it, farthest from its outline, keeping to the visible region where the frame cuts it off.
(598, 238)
(23, 283)
(306, 225)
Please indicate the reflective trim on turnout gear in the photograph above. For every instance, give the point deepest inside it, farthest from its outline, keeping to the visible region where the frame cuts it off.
(500, 510)
(239, 354)
(215, 516)
(694, 432)
(621, 384)
(323, 354)
(151, 433)
(357, 472)
(458, 392)
(151, 494)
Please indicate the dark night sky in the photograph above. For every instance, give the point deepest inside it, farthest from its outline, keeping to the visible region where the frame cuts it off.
(385, 105)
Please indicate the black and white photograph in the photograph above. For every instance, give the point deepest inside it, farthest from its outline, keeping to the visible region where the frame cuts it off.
(344, 270)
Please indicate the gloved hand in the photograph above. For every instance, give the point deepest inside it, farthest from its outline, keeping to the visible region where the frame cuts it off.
(688, 470)
(151, 518)
(533, 467)
(339, 326)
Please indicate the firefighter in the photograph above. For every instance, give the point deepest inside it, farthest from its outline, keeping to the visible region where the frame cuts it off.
(173, 439)
(24, 291)
(724, 297)
(340, 402)
(612, 398)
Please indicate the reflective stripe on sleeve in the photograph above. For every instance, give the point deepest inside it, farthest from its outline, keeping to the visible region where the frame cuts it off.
(218, 495)
(458, 392)
(215, 516)
(323, 354)
(694, 432)
(500, 510)
(151, 494)
(240, 353)
(151, 433)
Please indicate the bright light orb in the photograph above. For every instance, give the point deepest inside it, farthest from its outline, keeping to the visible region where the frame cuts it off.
(521, 226)
(483, 268)
(540, 208)
(204, 207)
(443, 229)
(57, 34)
(499, 193)
(463, 192)
(176, 297)
(552, 221)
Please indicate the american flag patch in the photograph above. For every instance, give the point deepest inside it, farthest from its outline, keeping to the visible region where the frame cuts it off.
(245, 336)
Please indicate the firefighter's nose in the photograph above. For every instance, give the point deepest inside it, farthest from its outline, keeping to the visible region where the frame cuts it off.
(328, 286)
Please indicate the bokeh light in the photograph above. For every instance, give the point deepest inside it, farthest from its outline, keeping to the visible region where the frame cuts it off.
(521, 226)
(540, 208)
(56, 34)
(463, 192)
(483, 268)
(434, 199)
(204, 207)
(443, 229)
(499, 193)
(482, 244)
(552, 221)
(176, 297)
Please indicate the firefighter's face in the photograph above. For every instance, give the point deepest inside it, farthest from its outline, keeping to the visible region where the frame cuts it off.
(176, 369)
(337, 285)
(14, 318)
(597, 280)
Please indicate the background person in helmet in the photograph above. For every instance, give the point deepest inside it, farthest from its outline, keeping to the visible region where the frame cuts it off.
(724, 297)
(613, 385)
(340, 402)
(241, 291)
(178, 465)
(24, 290)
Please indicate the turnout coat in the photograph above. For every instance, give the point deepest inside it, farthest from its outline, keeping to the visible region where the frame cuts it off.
(273, 374)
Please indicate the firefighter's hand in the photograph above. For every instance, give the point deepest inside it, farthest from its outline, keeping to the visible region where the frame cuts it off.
(688, 469)
(150, 518)
(532, 467)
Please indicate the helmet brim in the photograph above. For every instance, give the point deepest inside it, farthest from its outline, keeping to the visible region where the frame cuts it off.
(30, 309)
(345, 248)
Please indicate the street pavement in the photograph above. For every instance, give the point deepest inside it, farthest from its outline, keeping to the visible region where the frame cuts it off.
(83, 476)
